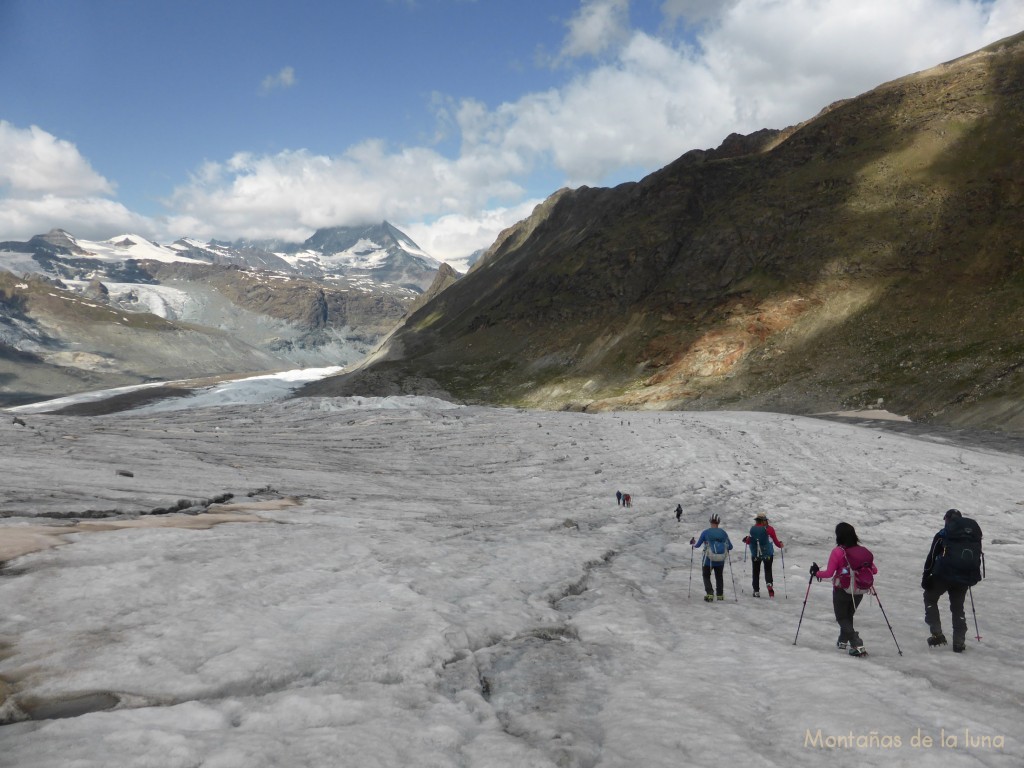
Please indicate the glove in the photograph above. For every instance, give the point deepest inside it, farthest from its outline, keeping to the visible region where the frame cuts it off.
(814, 569)
(926, 581)
(780, 545)
(746, 539)
(692, 541)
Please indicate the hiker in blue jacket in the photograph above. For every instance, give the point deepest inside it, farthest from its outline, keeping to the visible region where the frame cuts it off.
(716, 550)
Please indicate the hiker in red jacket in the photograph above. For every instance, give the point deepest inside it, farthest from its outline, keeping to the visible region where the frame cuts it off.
(762, 552)
(851, 568)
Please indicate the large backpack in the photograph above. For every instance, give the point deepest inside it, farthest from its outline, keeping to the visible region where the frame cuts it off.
(760, 544)
(958, 558)
(716, 551)
(858, 562)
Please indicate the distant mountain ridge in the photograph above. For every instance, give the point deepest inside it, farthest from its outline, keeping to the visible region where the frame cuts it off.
(326, 301)
(379, 252)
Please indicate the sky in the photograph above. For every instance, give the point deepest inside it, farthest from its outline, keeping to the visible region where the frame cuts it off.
(426, 584)
(451, 119)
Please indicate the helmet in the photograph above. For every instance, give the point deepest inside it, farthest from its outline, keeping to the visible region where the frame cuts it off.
(951, 514)
(715, 518)
(761, 518)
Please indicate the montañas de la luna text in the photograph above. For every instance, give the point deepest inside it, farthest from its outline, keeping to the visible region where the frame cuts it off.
(951, 739)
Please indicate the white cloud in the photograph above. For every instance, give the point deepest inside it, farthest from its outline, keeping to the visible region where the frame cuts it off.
(45, 182)
(283, 79)
(270, 195)
(88, 217)
(781, 62)
(648, 107)
(648, 99)
(756, 64)
(34, 162)
(694, 11)
(455, 237)
(597, 26)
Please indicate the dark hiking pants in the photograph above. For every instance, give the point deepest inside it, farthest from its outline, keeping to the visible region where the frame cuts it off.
(845, 605)
(767, 572)
(957, 595)
(719, 580)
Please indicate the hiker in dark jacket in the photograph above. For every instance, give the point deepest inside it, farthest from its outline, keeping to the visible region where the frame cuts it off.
(934, 587)
(761, 539)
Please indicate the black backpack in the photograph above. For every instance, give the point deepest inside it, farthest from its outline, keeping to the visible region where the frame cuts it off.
(958, 558)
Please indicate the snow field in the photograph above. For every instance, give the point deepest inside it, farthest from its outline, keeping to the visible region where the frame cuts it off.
(459, 588)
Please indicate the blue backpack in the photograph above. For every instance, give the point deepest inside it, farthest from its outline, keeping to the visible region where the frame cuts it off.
(716, 551)
(958, 558)
(760, 544)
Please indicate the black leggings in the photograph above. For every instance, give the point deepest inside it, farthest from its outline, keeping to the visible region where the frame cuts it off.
(767, 572)
(845, 606)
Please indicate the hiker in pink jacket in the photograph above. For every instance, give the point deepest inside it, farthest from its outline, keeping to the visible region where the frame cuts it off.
(848, 559)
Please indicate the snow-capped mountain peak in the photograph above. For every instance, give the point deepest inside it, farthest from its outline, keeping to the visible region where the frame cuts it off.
(129, 246)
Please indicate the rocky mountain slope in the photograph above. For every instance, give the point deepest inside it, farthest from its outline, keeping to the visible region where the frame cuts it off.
(54, 341)
(870, 256)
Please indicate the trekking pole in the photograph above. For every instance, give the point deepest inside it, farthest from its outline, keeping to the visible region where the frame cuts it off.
(733, 577)
(785, 589)
(691, 575)
(977, 632)
(806, 595)
(875, 593)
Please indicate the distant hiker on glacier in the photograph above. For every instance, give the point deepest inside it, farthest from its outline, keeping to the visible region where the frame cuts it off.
(761, 539)
(851, 568)
(716, 544)
(953, 566)
(618, 498)
(679, 512)
(627, 500)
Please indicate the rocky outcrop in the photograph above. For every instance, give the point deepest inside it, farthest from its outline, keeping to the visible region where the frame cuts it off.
(96, 290)
(306, 303)
(445, 276)
(59, 240)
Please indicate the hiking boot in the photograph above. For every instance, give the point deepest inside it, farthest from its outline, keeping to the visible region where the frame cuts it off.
(937, 638)
(709, 598)
(756, 593)
(841, 645)
(771, 592)
(858, 650)
(721, 597)
(959, 647)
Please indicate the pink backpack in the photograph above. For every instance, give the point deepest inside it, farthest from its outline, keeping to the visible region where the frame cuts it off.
(858, 562)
